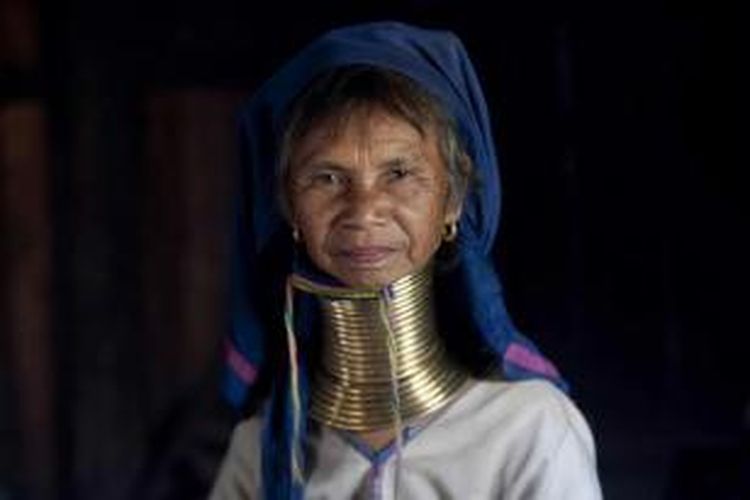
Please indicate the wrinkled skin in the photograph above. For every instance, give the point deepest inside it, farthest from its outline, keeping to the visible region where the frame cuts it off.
(369, 196)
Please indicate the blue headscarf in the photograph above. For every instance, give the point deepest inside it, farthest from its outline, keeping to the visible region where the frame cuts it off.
(263, 253)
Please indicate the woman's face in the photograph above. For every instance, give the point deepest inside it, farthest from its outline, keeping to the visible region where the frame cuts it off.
(369, 197)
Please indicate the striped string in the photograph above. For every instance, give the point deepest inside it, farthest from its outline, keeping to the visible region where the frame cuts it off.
(384, 303)
(295, 454)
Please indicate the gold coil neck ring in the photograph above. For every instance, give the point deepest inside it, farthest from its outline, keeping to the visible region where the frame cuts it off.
(371, 337)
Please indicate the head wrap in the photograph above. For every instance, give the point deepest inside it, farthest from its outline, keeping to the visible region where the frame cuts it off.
(262, 249)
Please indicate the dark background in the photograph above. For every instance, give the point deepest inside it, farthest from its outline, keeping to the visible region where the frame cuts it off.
(621, 246)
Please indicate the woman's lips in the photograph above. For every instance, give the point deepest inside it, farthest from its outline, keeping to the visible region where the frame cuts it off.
(367, 256)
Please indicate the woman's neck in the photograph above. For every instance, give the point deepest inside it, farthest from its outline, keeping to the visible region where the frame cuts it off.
(382, 362)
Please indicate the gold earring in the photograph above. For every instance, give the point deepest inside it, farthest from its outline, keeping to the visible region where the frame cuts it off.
(450, 231)
(295, 234)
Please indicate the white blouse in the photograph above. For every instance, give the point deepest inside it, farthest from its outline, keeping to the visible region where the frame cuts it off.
(498, 440)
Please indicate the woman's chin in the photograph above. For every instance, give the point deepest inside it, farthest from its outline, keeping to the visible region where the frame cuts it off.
(366, 278)
(369, 277)
(367, 271)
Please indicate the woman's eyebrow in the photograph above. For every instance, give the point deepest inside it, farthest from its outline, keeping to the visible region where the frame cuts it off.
(400, 160)
(316, 161)
(313, 165)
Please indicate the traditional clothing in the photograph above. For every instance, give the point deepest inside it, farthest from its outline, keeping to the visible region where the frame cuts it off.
(527, 430)
(499, 440)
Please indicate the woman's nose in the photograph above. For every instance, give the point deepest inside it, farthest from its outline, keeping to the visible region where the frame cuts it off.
(365, 206)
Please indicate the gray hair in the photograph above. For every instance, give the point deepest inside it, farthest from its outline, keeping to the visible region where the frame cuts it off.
(338, 93)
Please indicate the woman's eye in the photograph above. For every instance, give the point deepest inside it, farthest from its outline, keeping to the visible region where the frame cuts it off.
(398, 173)
(326, 179)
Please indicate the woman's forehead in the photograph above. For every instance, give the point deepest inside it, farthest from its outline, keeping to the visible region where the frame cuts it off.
(372, 127)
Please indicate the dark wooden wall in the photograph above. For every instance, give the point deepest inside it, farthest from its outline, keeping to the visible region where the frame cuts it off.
(620, 244)
(27, 357)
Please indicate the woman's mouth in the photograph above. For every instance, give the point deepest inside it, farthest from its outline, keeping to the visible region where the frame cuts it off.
(365, 256)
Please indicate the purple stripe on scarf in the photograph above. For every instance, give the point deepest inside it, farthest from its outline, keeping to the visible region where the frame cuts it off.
(529, 360)
(241, 367)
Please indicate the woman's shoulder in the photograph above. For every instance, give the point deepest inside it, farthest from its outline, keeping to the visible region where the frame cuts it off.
(239, 474)
(527, 435)
(532, 394)
(529, 407)
(247, 431)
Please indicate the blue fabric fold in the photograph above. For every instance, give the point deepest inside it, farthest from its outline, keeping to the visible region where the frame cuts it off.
(263, 253)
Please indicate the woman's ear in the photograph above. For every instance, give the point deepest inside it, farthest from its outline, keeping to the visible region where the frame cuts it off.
(459, 189)
(453, 212)
(455, 203)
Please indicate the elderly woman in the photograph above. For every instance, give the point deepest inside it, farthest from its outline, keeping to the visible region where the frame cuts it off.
(371, 353)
